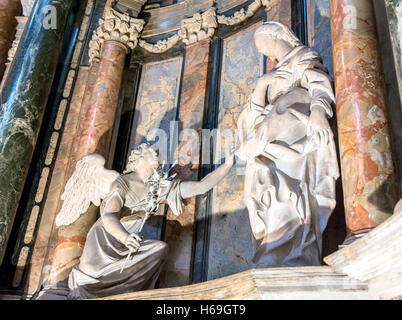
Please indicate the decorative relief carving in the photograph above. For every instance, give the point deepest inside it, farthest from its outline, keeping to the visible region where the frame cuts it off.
(161, 45)
(203, 25)
(198, 27)
(242, 14)
(118, 27)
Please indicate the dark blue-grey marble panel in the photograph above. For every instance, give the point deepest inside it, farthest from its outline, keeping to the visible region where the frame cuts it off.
(231, 244)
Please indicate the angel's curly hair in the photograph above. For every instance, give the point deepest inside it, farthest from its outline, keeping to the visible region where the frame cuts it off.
(135, 155)
(278, 30)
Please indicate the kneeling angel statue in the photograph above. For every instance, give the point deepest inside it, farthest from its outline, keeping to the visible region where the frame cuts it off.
(116, 259)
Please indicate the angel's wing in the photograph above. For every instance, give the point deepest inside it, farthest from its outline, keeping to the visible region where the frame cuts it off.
(90, 182)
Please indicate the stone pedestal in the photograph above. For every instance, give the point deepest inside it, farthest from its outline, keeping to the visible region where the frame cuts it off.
(376, 258)
(23, 98)
(310, 283)
(9, 9)
(368, 175)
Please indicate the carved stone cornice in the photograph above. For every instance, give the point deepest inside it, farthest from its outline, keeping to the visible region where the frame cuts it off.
(115, 26)
(198, 27)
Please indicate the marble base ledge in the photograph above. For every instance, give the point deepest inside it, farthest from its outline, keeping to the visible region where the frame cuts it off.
(376, 258)
(316, 283)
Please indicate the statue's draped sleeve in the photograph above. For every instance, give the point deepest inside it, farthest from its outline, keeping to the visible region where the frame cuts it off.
(172, 196)
(316, 80)
(117, 194)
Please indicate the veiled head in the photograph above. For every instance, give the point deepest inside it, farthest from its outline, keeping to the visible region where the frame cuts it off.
(142, 157)
(275, 40)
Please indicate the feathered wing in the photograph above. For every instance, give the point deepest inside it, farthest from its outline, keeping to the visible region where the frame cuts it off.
(90, 182)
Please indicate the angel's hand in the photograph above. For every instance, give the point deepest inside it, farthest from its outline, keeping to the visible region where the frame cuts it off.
(133, 242)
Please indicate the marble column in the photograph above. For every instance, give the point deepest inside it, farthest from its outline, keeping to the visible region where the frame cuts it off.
(23, 100)
(9, 9)
(394, 13)
(368, 175)
(95, 128)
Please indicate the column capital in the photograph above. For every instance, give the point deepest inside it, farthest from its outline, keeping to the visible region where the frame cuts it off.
(115, 26)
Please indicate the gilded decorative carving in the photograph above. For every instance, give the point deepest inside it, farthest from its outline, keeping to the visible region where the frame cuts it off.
(115, 26)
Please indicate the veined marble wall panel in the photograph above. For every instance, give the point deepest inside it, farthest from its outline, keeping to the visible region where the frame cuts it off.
(319, 29)
(231, 247)
(156, 112)
(179, 231)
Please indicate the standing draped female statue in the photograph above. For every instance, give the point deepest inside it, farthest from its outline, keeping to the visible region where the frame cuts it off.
(290, 152)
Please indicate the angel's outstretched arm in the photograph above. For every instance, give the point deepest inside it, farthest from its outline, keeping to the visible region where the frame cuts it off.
(190, 189)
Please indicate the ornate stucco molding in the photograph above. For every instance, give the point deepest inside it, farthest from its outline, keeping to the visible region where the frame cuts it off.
(198, 27)
(121, 27)
(161, 46)
(203, 25)
(242, 14)
(115, 26)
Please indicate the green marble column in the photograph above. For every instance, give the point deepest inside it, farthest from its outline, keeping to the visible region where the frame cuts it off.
(394, 13)
(23, 100)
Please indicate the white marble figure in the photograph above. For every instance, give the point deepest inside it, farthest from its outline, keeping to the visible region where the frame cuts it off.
(116, 259)
(291, 159)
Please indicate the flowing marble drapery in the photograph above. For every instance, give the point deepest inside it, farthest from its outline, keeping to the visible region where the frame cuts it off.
(290, 178)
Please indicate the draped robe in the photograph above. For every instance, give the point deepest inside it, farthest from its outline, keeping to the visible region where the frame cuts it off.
(98, 273)
(290, 184)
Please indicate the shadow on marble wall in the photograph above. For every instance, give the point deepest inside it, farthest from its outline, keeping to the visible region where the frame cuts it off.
(320, 31)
